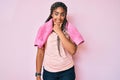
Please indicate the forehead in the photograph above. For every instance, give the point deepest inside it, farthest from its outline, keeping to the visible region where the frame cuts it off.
(59, 9)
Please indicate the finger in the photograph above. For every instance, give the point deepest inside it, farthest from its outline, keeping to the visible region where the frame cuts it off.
(60, 24)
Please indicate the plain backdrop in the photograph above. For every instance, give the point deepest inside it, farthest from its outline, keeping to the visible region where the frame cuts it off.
(97, 20)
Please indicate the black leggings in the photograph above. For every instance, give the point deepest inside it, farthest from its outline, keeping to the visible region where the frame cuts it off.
(62, 75)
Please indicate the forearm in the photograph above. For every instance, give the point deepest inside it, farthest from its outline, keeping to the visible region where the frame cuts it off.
(68, 44)
(39, 59)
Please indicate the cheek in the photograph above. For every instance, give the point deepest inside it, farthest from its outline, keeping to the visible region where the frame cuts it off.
(54, 19)
(63, 18)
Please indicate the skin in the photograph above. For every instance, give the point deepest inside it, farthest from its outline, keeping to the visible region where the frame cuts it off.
(58, 17)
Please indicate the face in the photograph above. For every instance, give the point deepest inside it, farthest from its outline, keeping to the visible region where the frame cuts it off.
(58, 15)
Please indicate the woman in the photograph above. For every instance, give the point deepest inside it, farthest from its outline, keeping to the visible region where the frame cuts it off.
(57, 42)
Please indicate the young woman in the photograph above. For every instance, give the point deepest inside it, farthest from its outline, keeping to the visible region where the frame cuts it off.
(57, 42)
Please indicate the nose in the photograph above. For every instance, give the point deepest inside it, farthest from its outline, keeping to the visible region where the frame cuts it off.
(59, 17)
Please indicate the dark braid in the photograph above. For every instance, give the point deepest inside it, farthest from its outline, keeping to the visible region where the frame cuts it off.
(53, 7)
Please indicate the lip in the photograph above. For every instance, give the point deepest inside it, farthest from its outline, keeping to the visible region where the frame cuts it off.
(58, 22)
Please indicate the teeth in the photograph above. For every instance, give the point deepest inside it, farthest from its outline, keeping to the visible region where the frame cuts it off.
(58, 21)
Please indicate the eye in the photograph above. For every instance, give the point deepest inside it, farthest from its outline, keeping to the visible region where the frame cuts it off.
(56, 13)
(63, 14)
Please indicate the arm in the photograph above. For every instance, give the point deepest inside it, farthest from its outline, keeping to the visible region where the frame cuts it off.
(39, 61)
(68, 44)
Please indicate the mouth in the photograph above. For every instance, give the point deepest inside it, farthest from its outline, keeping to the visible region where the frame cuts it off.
(58, 21)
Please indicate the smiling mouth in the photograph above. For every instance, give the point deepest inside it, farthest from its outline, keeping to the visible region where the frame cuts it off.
(58, 21)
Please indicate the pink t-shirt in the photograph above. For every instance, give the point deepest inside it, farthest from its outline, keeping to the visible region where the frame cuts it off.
(53, 61)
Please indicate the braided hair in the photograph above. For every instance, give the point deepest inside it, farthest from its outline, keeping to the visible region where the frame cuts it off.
(53, 7)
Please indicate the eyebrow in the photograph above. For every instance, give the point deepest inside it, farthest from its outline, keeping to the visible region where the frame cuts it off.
(58, 12)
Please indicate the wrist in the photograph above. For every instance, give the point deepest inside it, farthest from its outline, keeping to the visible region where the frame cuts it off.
(37, 74)
(59, 33)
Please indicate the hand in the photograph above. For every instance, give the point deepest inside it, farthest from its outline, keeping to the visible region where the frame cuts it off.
(38, 78)
(57, 27)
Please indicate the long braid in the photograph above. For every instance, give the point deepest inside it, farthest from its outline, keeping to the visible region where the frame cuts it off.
(53, 7)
